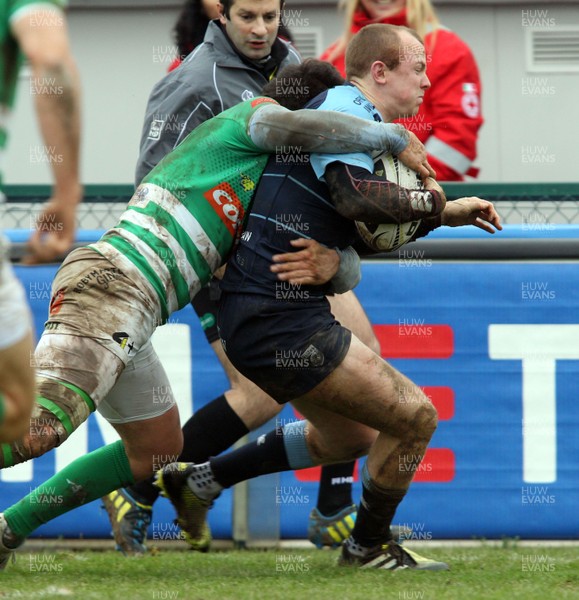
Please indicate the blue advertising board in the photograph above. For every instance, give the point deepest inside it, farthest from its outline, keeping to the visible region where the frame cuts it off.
(495, 345)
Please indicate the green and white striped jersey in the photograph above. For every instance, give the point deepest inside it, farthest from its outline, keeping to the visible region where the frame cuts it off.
(184, 218)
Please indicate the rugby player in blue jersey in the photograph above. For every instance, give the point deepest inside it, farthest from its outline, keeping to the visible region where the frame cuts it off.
(293, 347)
(239, 55)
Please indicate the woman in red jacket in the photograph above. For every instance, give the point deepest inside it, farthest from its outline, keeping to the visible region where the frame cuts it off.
(450, 117)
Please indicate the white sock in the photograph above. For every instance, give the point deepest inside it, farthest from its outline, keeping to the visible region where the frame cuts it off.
(355, 548)
(202, 482)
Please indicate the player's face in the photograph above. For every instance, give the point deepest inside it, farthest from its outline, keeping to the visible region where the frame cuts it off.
(407, 83)
(252, 26)
(382, 9)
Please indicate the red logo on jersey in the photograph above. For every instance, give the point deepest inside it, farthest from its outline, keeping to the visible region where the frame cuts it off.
(227, 205)
(261, 100)
(56, 302)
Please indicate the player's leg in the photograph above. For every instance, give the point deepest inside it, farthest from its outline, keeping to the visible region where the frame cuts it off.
(362, 388)
(65, 396)
(132, 398)
(150, 437)
(368, 389)
(333, 518)
(17, 391)
(211, 430)
(91, 476)
(93, 306)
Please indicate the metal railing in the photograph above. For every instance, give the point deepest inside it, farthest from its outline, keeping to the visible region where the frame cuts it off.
(533, 204)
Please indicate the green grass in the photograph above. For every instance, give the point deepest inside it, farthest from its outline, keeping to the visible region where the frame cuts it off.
(485, 572)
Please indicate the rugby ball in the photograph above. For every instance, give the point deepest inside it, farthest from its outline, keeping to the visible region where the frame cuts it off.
(390, 236)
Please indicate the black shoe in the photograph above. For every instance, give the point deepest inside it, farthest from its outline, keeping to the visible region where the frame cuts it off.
(390, 557)
(191, 509)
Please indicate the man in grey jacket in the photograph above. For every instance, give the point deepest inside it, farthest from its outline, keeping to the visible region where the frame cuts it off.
(224, 70)
(240, 54)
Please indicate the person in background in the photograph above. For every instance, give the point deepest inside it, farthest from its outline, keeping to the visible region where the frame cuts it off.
(450, 118)
(192, 23)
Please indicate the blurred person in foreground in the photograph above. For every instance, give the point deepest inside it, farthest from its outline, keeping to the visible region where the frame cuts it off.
(37, 32)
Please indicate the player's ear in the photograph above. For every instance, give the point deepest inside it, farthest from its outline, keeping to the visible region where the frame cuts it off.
(222, 18)
(379, 71)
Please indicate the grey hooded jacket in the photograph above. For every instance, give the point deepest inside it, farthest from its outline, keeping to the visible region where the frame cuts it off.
(210, 80)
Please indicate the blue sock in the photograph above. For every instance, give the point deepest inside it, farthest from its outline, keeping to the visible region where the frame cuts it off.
(282, 449)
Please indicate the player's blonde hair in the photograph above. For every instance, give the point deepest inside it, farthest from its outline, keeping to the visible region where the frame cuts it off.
(421, 17)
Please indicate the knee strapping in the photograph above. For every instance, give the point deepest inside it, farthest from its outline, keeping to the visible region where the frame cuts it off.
(59, 410)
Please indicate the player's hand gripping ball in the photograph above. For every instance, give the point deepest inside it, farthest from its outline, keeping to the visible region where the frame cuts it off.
(390, 236)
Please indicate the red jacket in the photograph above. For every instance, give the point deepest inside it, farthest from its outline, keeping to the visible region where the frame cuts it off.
(176, 62)
(450, 117)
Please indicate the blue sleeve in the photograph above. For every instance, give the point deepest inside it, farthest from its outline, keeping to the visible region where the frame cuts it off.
(344, 99)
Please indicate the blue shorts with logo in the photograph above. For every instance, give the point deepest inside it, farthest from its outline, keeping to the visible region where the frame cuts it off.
(206, 305)
(286, 348)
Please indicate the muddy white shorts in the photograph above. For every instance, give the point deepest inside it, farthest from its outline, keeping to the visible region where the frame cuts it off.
(97, 338)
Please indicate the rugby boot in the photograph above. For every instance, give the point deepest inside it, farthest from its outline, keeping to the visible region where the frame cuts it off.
(130, 520)
(388, 557)
(8, 543)
(191, 510)
(201, 543)
(333, 530)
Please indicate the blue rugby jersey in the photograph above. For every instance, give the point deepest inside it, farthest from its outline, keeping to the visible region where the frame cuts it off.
(347, 99)
(292, 201)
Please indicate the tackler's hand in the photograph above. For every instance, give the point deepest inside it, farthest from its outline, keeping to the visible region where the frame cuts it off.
(311, 264)
(414, 157)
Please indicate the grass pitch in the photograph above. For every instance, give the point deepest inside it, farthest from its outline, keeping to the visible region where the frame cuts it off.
(485, 572)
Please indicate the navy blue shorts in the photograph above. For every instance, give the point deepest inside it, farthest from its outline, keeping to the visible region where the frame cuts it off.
(286, 348)
(206, 304)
